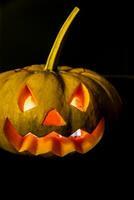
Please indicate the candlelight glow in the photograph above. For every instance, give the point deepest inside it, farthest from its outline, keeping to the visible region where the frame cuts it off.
(76, 102)
(26, 100)
(76, 133)
(80, 98)
(29, 103)
(53, 118)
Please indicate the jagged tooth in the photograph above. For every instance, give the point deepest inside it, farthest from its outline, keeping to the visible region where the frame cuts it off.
(67, 148)
(29, 143)
(86, 144)
(93, 138)
(76, 133)
(77, 139)
(62, 145)
(56, 149)
(88, 141)
(44, 144)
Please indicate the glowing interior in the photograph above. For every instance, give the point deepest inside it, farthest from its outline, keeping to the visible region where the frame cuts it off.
(80, 98)
(28, 104)
(26, 100)
(80, 141)
(76, 133)
(53, 118)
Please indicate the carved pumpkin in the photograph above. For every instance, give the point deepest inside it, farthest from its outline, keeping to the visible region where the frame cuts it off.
(45, 111)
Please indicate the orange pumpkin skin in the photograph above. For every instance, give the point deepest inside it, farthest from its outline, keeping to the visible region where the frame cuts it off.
(46, 112)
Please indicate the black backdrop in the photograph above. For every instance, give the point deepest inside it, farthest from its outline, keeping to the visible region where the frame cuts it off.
(99, 39)
(28, 29)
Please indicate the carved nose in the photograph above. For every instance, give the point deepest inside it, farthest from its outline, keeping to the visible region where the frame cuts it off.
(53, 118)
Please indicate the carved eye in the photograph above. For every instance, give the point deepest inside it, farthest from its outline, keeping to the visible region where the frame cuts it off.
(53, 118)
(26, 100)
(80, 98)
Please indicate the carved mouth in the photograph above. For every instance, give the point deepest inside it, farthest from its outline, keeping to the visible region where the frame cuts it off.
(80, 141)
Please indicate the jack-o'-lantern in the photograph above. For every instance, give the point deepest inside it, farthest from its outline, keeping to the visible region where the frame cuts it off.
(46, 111)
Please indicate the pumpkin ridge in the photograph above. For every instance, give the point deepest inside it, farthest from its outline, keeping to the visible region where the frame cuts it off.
(110, 91)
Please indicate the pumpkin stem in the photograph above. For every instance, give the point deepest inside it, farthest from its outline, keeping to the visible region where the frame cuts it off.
(55, 48)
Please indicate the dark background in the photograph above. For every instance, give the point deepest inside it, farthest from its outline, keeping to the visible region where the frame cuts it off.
(101, 38)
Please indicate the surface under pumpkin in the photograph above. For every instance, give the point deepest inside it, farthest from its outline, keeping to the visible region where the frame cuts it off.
(46, 111)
